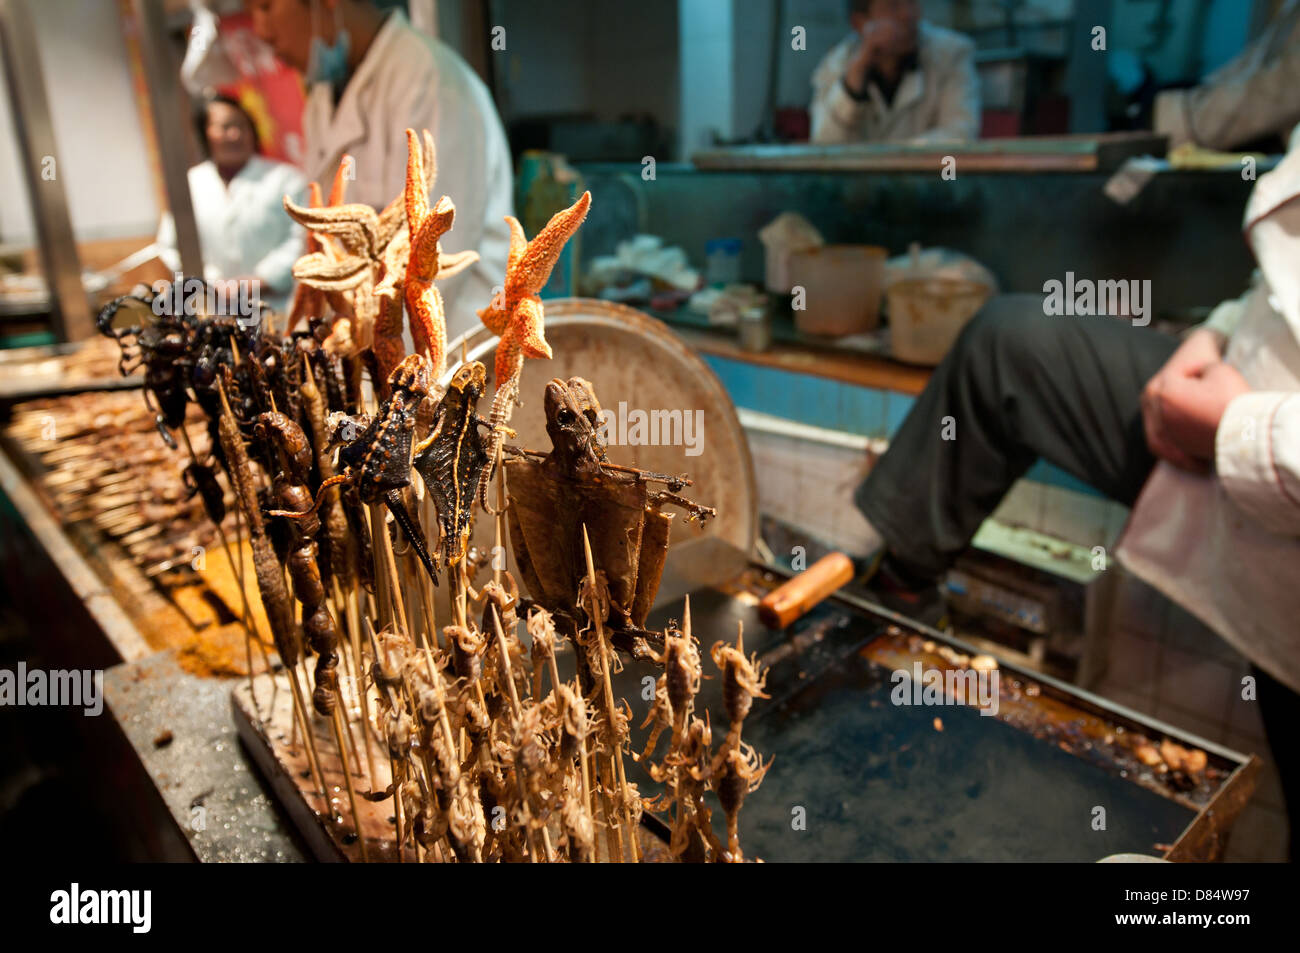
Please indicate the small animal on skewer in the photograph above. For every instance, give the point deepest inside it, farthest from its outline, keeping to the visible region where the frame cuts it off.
(378, 460)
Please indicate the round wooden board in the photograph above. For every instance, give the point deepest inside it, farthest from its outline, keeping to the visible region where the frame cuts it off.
(635, 361)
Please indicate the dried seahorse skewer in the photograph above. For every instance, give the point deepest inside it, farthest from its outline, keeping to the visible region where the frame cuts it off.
(737, 770)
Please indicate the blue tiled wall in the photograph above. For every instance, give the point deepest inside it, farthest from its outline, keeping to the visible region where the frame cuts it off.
(834, 405)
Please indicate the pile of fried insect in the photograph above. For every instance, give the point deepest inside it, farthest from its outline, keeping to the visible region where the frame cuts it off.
(486, 752)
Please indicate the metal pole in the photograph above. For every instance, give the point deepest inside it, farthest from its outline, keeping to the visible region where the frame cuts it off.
(69, 304)
(162, 77)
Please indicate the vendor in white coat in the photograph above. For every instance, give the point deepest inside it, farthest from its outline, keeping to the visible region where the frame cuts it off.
(896, 78)
(1201, 437)
(370, 76)
(238, 197)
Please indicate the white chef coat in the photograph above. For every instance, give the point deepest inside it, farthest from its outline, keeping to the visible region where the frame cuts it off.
(243, 229)
(411, 80)
(1227, 546)
(939, 101)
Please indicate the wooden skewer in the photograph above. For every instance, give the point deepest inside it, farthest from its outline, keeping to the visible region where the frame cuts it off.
(337, 722)
(313, 759)
(350, 666)
(397, 808)
(500, 517)
(379, 533)
(517, 710)
(394, 705)
(613, 833)
(246, 619)
(363, 692)
(616, 757)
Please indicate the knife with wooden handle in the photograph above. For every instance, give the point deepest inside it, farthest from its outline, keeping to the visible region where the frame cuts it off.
(783, 605)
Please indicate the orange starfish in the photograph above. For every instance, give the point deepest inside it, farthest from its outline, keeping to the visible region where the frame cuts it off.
(340, 187)
(516, 315)
(425, 227)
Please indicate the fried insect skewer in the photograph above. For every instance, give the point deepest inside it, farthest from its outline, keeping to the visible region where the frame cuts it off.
(266, 568)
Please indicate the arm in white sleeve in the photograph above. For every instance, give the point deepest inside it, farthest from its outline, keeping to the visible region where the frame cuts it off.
(958, 118)
(836, 117)
(170, 254)
(461, 150)
(469, 172)
(1225, 317)
(1257, 457)
(1248, 98)
(166, 241)
(275, 270)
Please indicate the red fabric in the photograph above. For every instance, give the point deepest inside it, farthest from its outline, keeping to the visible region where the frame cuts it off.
(270, 91)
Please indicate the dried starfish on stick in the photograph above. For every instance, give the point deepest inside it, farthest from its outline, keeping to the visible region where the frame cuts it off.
(349, 259)
(308, 300)
(425, 228)
(517, 316)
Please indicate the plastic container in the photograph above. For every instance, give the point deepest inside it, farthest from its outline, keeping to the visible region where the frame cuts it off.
(754, 329)
(786, 234)
(841, 285)
(723, 261)
(927, 314)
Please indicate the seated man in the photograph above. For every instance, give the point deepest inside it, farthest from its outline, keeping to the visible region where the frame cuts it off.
(1202, 438)
(896, 79)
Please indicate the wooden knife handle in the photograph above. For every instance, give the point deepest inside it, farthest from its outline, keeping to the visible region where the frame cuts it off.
(788, 602)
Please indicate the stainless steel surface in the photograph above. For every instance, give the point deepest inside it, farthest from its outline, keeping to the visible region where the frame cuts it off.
(162, 78)
(38, 151)
(148, 694)
(698, 563)
(636, 361)
(203, 774)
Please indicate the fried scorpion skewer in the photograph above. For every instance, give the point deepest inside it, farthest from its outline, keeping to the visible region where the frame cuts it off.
(615, 722)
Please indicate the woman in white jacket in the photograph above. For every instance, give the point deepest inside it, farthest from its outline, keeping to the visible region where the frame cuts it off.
(238, 199)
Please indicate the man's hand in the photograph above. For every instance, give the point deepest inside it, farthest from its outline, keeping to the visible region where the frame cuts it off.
(1183, 404)
(878, 36)
(1201, 349)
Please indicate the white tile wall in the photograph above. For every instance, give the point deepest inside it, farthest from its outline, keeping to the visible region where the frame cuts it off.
(810, 485)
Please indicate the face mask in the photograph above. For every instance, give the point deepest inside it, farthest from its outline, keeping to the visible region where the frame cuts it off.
(328, 64)
(325, 63)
